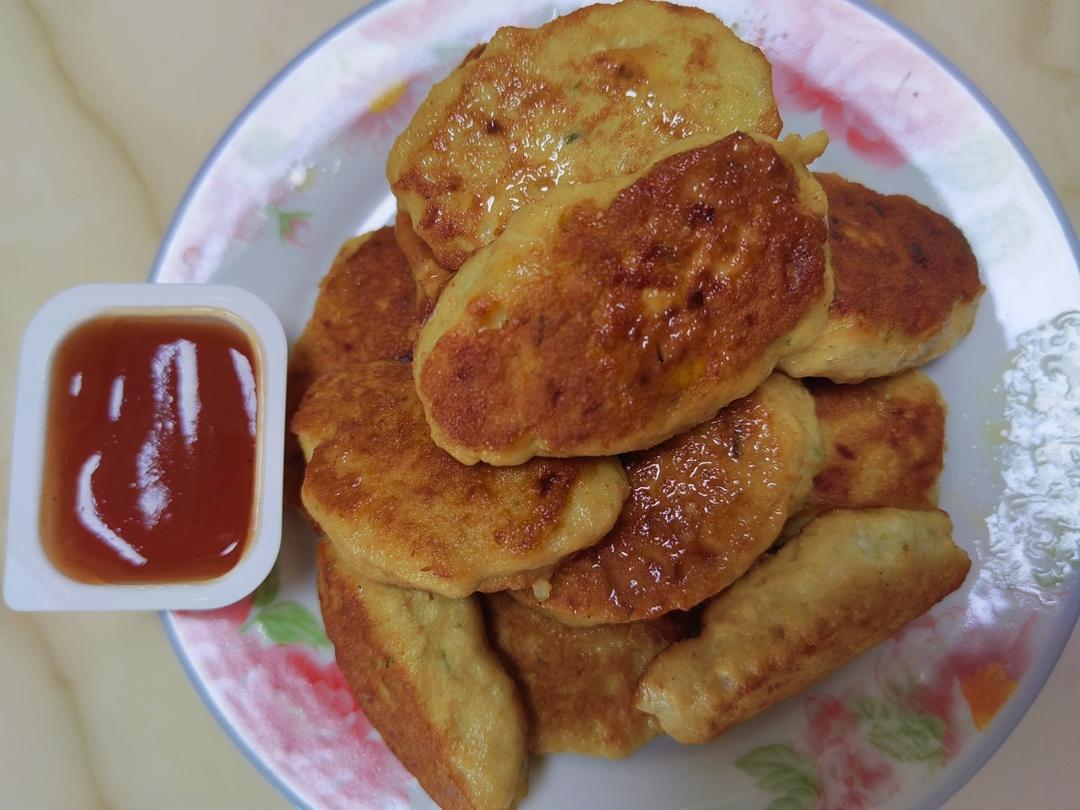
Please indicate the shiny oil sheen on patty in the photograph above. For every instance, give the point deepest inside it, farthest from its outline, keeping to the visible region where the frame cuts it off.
(587, 96)
(703, 507)
(611, 316)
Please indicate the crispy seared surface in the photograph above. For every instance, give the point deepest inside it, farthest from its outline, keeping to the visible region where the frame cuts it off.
(403, 512)
(850, 580)
(368, 308)
(421, 669)
(907, 286)
(610, 316)
(578, 683)
(428, 273)
(590, 95)
(884, 443)
(703, 507)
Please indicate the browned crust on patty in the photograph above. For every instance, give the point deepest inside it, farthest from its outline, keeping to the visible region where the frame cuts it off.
(578, 683)
(850, 580)
(391, 692)
(368, 308)
(897, 263)
(392, 501)
(541, 91)
(884, 443)
(703, 507)
(907, 287)
(670, 301)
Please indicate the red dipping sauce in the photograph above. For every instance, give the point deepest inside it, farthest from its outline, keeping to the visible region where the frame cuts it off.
(150, 458)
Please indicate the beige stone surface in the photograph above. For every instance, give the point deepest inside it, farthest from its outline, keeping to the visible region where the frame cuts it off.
(109, 107)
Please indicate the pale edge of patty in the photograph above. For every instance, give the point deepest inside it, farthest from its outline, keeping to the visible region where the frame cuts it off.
(850, 580)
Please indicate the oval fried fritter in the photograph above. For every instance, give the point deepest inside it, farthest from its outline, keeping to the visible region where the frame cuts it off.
(401, 511)
(420, 667)
(907, 287)
(884, 443)
(850, 580)
(590, 95)
(611, 316)
(368, 308)
(578, 683)
(703, 507)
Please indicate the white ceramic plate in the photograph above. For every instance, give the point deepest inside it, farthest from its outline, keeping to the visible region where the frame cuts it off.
(906, 725)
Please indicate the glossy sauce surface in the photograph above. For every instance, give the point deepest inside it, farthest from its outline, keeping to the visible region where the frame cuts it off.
(150, 450)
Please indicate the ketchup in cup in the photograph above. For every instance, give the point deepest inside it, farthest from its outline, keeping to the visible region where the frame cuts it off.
(150, 462)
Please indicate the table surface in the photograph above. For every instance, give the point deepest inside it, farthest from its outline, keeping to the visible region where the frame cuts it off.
(109, 108)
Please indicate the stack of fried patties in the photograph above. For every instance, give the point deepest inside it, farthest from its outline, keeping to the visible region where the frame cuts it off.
(573, 489)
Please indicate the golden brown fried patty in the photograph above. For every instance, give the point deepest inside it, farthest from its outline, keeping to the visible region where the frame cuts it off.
(421, 669)
(578, 683)
(590, 95)
(907, 287)
(703, 507)
(611, 316)
(401, 511)
(884, 443)
(368, 309)
(850, 580)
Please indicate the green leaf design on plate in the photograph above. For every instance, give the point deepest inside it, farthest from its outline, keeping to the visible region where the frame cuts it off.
(292, 623)
(288, 220)
(781, 769)
(902, 734)
(267, 592)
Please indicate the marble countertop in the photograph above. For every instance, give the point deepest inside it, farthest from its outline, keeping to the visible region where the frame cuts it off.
(110, 107)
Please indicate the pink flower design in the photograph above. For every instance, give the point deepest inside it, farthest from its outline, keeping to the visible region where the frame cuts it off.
(906, 670)
(402, 21)
(840, 120)
(248, 226)
(295, 710)
(854, 775)
(190, 261)
(956, 668)
(977, 675)
(280, 189)
(867, 80)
